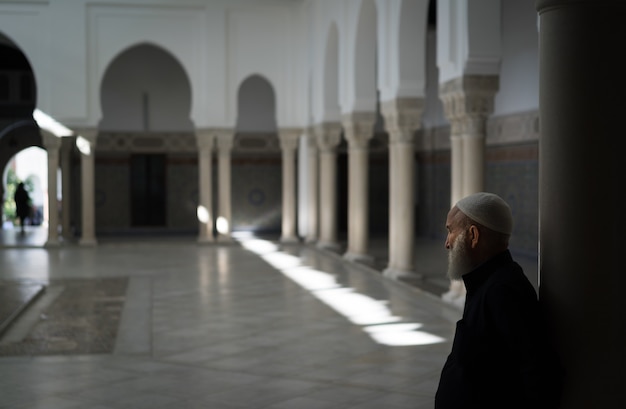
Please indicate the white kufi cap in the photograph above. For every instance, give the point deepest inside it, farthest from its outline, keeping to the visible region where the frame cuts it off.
(488, 209)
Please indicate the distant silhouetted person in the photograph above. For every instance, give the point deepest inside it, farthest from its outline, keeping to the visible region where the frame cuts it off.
(22, 204)
(501, 356)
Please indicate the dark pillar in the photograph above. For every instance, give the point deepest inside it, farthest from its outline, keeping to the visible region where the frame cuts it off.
(582, 192)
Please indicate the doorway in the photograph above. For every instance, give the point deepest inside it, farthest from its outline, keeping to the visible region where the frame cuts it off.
(148, 190)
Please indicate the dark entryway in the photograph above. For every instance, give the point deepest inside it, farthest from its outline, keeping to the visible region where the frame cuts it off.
(148, 189)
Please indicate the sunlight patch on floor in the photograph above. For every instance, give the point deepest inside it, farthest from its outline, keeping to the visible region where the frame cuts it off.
(374, 316)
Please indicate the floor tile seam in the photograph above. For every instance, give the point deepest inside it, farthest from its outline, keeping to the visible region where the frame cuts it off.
(365, 386)
(75, 394)
(314, 379)
(272, 378)
(76, 390)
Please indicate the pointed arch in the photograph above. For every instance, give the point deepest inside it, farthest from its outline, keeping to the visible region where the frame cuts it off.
(145, 87)
(17, 80)
(256, 105)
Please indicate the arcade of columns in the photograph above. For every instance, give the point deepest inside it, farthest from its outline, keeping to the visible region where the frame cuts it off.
(468, 101)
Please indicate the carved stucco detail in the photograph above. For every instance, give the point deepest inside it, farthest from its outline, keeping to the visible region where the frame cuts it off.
(403, 117)
(358, 128)
(205, 139)
(468, 101)
(519, 127)
(224, 138)
(147, 142)
(89, 134)
(328, 135)
(289, 138)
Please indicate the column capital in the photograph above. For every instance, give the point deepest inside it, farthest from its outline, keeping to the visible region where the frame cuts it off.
(469, 95)
(358, 128)
(328, 135)
(50, 141)
(224, 138)
(90, 134)
(205, 139)
(403, 117)
(473, 126)
(86, 140)
(289, 138)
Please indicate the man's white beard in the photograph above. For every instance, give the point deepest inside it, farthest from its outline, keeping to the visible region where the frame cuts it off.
(459, 262)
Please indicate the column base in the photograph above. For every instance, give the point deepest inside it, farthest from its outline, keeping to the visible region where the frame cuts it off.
(206, 240)
(401, 274)
(222, 239)
(52, 243)
(88, 242)
(359, 258)
(328, 245)
(289, 240)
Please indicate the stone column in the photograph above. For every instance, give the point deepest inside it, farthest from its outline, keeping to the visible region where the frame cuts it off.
(313, 186)
(468, 102)
(205, 140)
(479, 98)
(289, 139)
(328, 136)
(86, 143)
(402, 119)
(452, 98)
(582, 185)
(224, 216)
(1, 207)
(67, 149)
(358, 129)
(52, 143)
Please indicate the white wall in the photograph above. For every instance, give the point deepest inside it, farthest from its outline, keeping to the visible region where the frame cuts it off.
(219, 43)
(519, 71)
(518, 68)
(468, 35)
(27, 25)
(256, 106)
(324, 16)
(260, 40)
(145, 89)
(71, 43)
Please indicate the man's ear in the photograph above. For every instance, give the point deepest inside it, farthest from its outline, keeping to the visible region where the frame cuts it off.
(474, 235)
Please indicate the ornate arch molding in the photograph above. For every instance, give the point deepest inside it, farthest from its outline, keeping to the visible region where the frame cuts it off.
(168, 28)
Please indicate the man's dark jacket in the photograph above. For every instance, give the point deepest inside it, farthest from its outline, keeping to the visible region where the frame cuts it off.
(500, 356)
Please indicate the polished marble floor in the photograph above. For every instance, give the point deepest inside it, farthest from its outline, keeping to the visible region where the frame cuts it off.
(251, 324)
(246, 325)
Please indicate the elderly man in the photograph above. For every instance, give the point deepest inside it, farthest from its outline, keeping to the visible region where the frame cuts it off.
(499, 357)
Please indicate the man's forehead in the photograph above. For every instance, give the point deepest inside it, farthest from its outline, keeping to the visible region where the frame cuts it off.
(452, 216)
